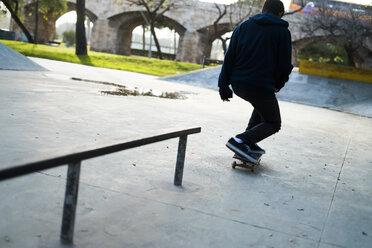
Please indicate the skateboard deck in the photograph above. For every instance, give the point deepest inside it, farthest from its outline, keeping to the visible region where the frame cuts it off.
(244, 162)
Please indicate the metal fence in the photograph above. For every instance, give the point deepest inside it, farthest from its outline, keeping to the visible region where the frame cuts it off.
(73, 172)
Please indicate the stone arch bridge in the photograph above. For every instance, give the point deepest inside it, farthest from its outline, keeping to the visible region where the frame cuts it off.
(192, 20)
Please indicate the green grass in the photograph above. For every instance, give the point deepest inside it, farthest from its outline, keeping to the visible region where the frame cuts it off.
(126, 63)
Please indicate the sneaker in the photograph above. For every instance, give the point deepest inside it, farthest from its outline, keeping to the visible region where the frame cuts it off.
(241, 149)
(256, 149)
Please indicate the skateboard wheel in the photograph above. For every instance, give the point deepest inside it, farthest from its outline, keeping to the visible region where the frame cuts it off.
(233, 165)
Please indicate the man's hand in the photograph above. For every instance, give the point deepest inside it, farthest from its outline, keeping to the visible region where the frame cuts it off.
(225, 93)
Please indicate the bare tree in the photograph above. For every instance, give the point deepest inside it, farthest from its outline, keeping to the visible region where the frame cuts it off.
(237, 13)
(36, 19)
(221, 14)
(13, 7)
(81, 40)
(143, 37)
(45, 9)
(154, 10)
(348, 28)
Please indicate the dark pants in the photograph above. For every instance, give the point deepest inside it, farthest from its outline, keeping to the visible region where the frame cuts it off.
(265, 119)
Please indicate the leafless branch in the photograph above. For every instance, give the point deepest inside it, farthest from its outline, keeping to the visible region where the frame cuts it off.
(221, 13)
(346, 28)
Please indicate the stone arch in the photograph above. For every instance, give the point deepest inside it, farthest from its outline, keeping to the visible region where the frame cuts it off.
(208, 35)
(47, 29)
(71, 6)
(364, 58)
(361, 58)
(300, 44)
(195, 44)
(125, 23)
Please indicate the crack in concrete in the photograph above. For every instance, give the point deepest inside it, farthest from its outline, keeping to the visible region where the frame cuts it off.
(335, 189)
(190, 209)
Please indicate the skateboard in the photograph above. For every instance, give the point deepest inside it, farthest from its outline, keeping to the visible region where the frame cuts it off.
(244, 163)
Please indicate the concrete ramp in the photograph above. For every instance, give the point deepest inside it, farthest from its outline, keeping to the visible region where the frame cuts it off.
(337, 94)
(342, 95)
(13, 60)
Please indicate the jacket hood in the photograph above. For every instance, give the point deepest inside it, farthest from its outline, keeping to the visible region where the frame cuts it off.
(266, 19)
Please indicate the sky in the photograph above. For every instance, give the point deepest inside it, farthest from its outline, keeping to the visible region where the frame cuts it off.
(287, 2)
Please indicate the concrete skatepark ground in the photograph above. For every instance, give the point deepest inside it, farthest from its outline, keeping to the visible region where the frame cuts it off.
(313, 189)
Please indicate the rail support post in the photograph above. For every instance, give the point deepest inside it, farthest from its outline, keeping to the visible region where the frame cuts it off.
(69, 208)
(180, 160)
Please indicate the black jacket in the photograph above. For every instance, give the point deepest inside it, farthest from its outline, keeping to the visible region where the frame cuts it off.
(259, 55)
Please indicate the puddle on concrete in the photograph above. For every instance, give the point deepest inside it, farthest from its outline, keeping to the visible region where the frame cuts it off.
(123, 90)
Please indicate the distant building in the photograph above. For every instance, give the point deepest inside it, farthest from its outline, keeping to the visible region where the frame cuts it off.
(312, 5)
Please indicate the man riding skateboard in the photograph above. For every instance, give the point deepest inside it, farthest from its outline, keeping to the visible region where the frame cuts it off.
(257, 64)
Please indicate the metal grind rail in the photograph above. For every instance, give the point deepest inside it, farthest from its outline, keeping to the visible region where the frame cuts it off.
(73, 172)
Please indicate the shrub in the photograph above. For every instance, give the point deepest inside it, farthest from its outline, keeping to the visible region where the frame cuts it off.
(69, 37)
